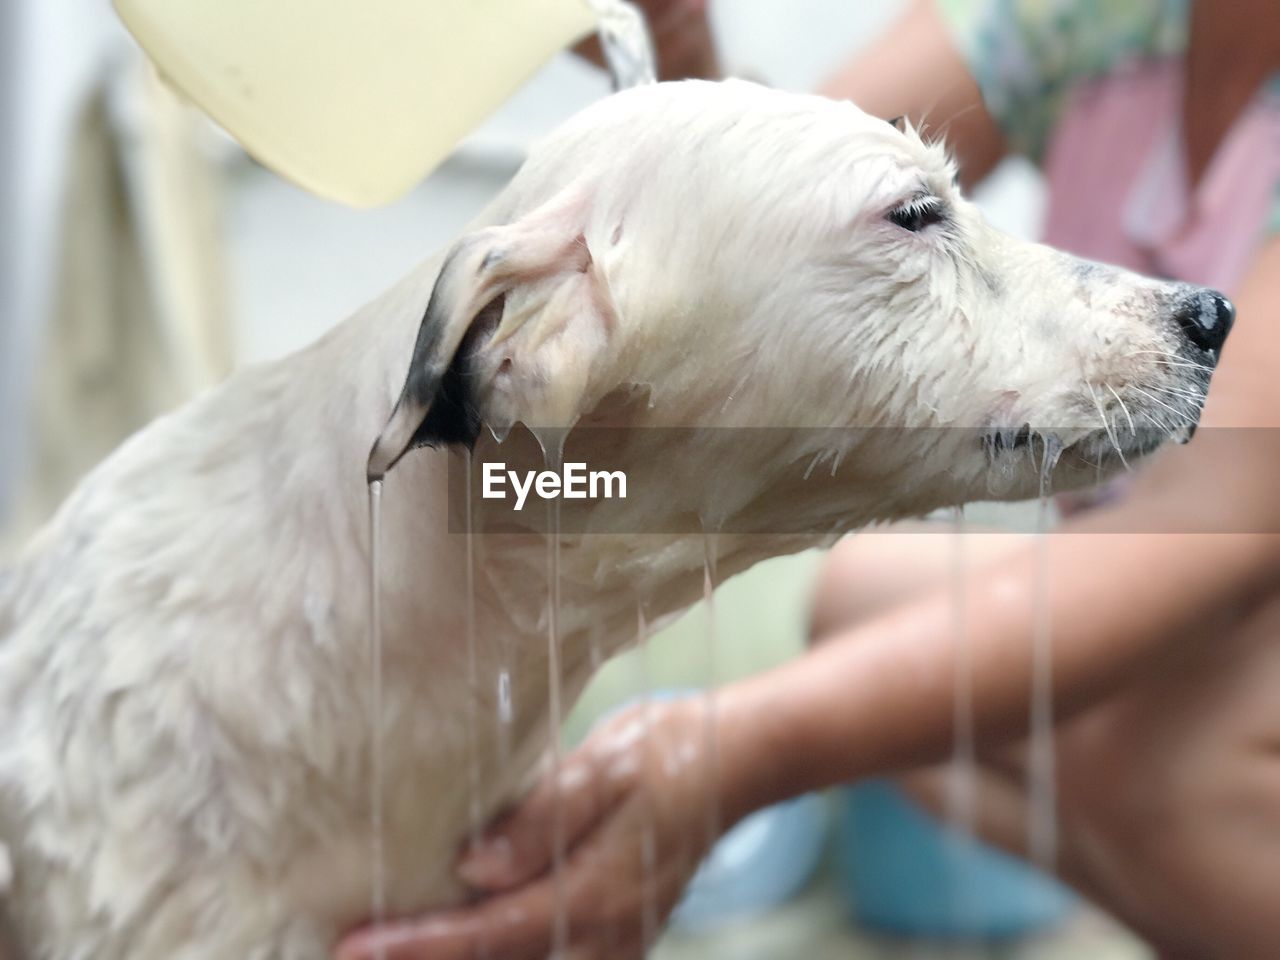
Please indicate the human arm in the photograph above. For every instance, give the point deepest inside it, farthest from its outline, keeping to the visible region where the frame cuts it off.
(914, 70)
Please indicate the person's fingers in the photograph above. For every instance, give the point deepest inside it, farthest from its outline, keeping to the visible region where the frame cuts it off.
(438, 939)
(514, 927)
(522, 845)
(614, 899)
(591, 782)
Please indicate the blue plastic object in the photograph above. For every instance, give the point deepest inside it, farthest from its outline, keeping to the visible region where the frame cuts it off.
(761, 863)
(903, 873)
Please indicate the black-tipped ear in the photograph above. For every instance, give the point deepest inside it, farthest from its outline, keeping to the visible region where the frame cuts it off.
(439, 402)
(453, 411)
(452, 418)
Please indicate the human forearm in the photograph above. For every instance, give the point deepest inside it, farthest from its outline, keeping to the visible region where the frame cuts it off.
(880, 698)
(915, 70)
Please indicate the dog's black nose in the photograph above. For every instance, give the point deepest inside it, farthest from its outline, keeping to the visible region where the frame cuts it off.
(1207, 319)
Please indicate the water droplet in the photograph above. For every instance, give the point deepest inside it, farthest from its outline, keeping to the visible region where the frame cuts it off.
(506, 710)
(626, 44)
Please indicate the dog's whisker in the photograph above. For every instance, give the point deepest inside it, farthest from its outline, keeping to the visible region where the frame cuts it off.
(1106, 424)
(1172, 360)
(1194, 400)
(1156, 353)
(1184, 419)
(1124, 408)
(1196, 396)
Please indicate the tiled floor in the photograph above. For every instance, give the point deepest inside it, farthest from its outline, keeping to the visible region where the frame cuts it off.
(815, 927)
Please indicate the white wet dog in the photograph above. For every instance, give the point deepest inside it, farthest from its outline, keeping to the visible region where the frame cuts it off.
(184, 664)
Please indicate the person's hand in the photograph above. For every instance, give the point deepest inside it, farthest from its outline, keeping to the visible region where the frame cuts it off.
(635, 806)
(682, 39)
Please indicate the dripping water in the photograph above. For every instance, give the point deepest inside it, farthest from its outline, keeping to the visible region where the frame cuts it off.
(625, 42)
(961, 783)
(506, 711)
(641, 695)
(504, 696)
(649, 921)
(1042, 834)
(596, 649)
(552, 444)
(560, 941)
(711, 748)
(377, 853)
(474, 807)
(629, 56)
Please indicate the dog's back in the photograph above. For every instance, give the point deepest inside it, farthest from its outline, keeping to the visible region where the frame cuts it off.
(139, 784)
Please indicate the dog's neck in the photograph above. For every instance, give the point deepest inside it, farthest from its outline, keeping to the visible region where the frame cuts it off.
(459, 613)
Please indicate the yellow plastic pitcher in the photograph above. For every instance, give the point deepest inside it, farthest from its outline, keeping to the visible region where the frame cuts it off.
(355, 100)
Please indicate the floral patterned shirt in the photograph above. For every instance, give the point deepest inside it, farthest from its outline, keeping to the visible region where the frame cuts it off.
(1091, 91)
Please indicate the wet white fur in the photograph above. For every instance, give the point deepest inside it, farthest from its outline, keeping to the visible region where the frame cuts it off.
(183, 661)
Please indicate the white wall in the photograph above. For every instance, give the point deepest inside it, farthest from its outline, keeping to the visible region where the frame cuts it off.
(56, 49)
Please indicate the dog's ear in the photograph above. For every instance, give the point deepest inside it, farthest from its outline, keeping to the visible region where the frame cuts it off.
(493, 283)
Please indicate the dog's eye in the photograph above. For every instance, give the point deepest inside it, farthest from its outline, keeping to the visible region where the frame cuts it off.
(918, 214)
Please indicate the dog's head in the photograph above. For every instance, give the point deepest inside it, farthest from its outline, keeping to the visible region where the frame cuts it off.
(744, 258)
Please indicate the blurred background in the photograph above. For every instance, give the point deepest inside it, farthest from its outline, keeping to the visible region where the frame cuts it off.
(145, 256)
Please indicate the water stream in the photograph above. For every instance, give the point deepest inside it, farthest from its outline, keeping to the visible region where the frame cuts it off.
(626, 44)
(649, 919)
(506, 711)
(560, 938)
(711, 749)
(377, 852)
(475, 808)
(1042, 828)
(552, 443)
(962, 770)
(631, 61)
